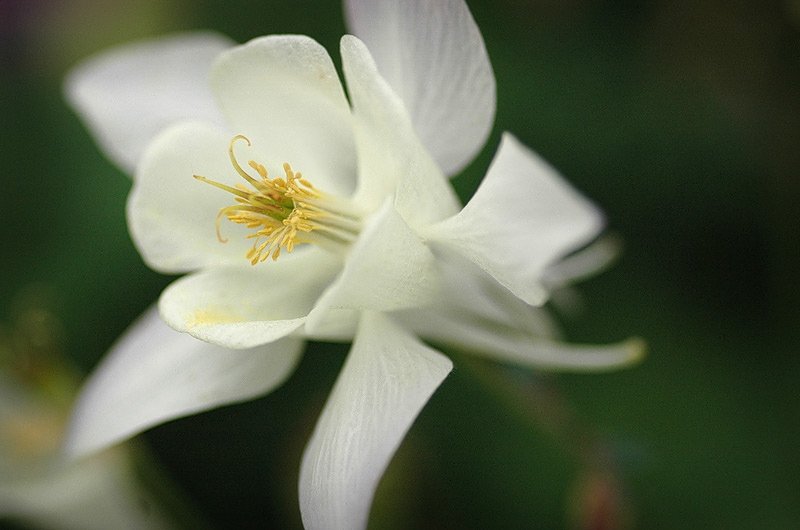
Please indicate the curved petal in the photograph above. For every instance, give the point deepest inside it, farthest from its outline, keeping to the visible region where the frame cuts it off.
(130, 93)
(387, 379)
(283, 92)
(388, 268)
(245, 306)
(433, 56)
(476, 314)
(470, 294)
(522, 219)
(391, 158)
(155, 374)
(172, 216)
(517, 345)
(585, 263)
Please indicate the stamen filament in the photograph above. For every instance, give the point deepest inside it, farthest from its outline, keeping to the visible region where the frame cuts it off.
(236, 165)
(285, 211)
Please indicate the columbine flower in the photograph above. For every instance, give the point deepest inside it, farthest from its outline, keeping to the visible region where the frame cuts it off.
(310, 216)
(37, 486)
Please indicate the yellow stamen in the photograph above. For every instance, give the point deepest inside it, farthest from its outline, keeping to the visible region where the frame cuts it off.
(284, 211)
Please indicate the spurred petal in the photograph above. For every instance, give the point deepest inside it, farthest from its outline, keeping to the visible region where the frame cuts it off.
(391, 159)
(517, 345)
(471, 295)
(155, 374)
(387, 379)
(585, 263)
(248, 305)
(370, 281)
(433, 56)
(283, 92)
(129, 94)
(522, 219)
(476, 314)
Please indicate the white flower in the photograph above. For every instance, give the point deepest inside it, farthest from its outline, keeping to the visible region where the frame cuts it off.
(38, 487)
(311, 216)
(340, 195)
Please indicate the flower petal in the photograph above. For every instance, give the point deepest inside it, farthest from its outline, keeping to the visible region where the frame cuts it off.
(476, 314)
(519, 346)
(155, 374)
(433, 56)
(523, 218)
(283, 92)
(129, 94)
(585, 263)
(387, 379)
(390, 156)
(172, 216)
(245, 306)
(388, 268)
(470, 294)
(98, 493)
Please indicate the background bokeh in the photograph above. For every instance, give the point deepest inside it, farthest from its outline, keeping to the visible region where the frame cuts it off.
(680, 118)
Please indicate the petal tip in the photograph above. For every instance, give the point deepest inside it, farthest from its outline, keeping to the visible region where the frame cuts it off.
(637, 349)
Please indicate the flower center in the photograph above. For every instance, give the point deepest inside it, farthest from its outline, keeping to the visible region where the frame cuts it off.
(285, 211)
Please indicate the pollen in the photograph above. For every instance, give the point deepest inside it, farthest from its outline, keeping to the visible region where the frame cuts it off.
(284, 212)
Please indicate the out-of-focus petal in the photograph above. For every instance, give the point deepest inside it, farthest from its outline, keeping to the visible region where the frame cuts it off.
(522, 219)
(433, 56)
(387, 379)
(155, 374)
(126, 96)
(97, 493)
(248, 305)
(585, 263)
(283, 92)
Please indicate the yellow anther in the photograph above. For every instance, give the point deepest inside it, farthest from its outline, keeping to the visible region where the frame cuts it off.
(258, 167)
(284, 212)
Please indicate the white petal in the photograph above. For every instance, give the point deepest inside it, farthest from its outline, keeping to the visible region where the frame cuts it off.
(387, 379)
(585, 263)
(522, 219)
(155, 374)
(391, 158)
(129, 94)
(283, 92)
(248, 305)
(337, 325)
(518, 345)
(172, 216)
(388, 268)
(433, 56)
(98, 493)
(471, 295)
(476, 314)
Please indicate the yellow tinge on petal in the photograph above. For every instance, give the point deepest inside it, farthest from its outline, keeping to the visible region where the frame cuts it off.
(285, 211)
(210, 316)
(33, 435)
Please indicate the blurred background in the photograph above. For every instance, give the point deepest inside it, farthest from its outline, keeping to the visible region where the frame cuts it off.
(680, 118)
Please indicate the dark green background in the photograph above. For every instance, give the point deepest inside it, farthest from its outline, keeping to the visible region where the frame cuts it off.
(679, 118)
